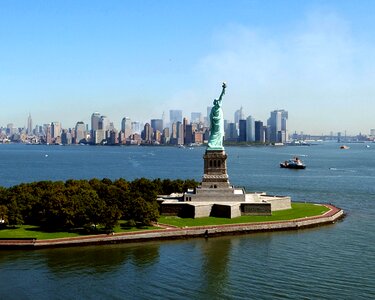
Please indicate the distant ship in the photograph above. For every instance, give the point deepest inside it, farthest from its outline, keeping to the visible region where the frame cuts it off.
(294, 163)
(344, 147)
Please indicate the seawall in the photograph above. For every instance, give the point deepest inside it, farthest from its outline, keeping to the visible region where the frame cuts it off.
(169, 233)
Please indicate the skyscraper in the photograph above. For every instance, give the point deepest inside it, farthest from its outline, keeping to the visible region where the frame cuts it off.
(278, 126)
(29, 125)
(80, 132)
(259, 132)
(242, 129)
(250, 129)
(157, 124)
(55, 130)
(95, 120)
(147, 133)
(231, 133)
(126, 127)
(175, 116)
(196, 117)
(239, 115)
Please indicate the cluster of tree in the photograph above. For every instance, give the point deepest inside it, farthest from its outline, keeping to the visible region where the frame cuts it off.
(86, 203)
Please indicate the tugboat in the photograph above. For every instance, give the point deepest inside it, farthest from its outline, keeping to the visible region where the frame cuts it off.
(344, 147)
(294, 163)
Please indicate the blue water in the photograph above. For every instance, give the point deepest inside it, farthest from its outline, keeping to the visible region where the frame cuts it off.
(332, 262)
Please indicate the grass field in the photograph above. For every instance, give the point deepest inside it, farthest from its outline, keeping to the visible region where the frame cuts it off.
(30, 231)
(299, 210)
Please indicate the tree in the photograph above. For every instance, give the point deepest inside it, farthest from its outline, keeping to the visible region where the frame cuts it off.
(141, 212)
(3, 215)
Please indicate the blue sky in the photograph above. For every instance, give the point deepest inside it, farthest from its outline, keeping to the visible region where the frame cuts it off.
(63, 60)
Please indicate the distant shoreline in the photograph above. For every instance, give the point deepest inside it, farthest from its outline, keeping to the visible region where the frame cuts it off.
(171, 233)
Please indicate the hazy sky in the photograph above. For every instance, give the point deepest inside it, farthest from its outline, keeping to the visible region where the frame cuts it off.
(63, 60)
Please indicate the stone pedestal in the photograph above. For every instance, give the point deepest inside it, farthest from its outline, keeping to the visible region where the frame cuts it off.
(215, 169)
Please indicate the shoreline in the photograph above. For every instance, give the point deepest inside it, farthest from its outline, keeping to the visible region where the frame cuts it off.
(167, 232)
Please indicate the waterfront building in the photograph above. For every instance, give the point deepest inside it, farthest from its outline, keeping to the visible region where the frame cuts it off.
(80, 132)
(29, 125)
(278, 126)
(147, 133)
(165, 136)
(157, 136)
(126, 127)
(180, 133)
(157, 124)
(95, 120)
(198, 137)
(259, 132)
(231, 134)
(250, 129)
(99, 137)
(173, 137)
(113, 137)
(47, 130)
(242, 129)
(55, 130)
(66, 137)
(189, 134)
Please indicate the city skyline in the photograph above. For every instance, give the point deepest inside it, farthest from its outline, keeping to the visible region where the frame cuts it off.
(62, 61)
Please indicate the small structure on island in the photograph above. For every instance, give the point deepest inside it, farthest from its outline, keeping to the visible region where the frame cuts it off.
(215, 196)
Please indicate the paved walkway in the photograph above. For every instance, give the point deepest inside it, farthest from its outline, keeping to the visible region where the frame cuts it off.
(172, 232)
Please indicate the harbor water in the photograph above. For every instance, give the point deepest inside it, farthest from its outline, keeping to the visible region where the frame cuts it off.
(330, 262)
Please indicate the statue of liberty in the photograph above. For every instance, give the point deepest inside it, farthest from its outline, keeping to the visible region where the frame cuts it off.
(217, 124)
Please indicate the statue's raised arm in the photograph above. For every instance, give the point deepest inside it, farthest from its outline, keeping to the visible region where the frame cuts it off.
(224, 85)
(217, 124)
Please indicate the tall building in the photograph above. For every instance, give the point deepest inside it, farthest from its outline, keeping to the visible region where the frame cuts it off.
(66, 137)
(165, 136)
(104, 123)
(207, 119)
(29, 125)
(180, 133)
(136, 128)
(259, 132)
(278, 126)
(239, 115)
(106, 126)
(188, 134)
(231, 133)
(80, 133)
(242, 130)
(126, 127)
(55, 130)
(95, 120)
(175, 115)
(147, 133)
(157, 124)
(250, 129)
(196, 117)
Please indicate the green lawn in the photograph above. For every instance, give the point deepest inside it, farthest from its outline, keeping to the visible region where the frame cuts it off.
(30, 231)
(299, 210)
